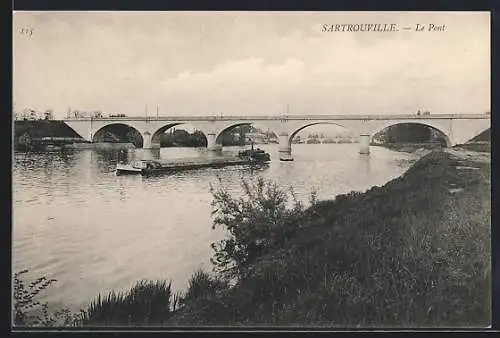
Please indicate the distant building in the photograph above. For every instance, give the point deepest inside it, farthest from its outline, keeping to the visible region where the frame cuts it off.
(29, 115)
(97, 114)
(425, 113)
(257, 137)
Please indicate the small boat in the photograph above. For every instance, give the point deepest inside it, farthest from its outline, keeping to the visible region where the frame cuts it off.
(255, 155)
(286, 157)
(137, 167)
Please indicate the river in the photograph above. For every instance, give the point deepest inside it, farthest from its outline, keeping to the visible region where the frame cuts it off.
(75, 221)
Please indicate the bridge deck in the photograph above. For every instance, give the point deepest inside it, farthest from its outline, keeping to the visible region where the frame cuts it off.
(286, 117)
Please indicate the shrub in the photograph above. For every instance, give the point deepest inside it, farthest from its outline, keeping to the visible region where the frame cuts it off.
(28, 311)
(258, 222)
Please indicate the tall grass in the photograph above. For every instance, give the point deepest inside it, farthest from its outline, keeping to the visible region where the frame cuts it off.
(203, 285)
(146, 303)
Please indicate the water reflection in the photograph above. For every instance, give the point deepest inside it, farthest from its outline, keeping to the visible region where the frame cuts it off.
(145, 154)
(364, 164)
(94, 231)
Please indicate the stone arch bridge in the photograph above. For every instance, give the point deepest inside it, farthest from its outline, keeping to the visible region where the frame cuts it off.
(457, 128)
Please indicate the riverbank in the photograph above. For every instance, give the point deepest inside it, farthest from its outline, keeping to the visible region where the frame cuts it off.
(43, 135)
(414, 252)
(43, 128)
(410, 147)
(100, 146)
(423, 148)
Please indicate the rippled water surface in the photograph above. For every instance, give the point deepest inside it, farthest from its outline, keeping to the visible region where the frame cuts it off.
(77, 222)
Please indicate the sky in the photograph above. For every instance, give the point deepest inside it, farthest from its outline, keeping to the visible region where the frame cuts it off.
(250, 63)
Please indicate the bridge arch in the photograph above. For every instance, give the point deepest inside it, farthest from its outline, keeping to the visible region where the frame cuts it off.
(230, 126)
(119, 132)
(156, 135)
(295, 131)
(440, 129)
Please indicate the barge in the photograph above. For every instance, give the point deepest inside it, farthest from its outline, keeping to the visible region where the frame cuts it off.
(145, 167)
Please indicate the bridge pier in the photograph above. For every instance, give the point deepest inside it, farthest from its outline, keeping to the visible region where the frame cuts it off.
(147, 140)
(212, 144)
(364, 143)
(285, 148)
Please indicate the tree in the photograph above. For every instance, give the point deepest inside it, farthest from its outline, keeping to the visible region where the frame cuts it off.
(25, 140)
(134, 137)
(49, 114)
(257, 222)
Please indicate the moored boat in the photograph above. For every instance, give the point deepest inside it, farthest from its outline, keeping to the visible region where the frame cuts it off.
(256, 155)
(145, 167)
(137, 167)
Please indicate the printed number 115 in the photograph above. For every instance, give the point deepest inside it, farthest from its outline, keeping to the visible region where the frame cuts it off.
(27, 31)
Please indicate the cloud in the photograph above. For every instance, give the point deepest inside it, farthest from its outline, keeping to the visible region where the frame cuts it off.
(329, 74)
(234, 75)
(250, 63)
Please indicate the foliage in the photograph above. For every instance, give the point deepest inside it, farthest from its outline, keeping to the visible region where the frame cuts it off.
(133, 136)
(202, 285)
(147, 303)
(181, 138)
(408, 254)
(30, 312)
(409, 133)
(235, 136)
(257, 222)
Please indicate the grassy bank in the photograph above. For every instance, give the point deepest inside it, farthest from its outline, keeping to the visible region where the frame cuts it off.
(43, 128)
(484, 147)
(27, 134)
(413, 253)
(479, 146)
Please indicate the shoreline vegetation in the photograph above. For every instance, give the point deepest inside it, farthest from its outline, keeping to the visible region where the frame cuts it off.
(414, 252)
